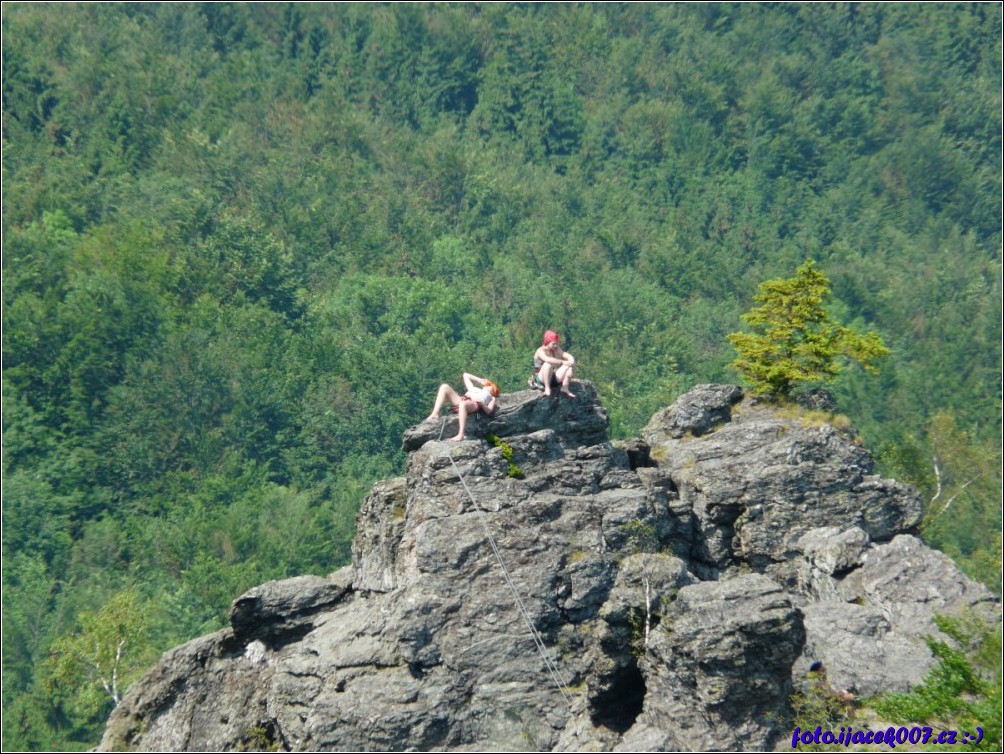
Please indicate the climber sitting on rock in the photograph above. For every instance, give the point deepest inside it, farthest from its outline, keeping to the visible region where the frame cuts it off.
(484, 399)
(552, 367)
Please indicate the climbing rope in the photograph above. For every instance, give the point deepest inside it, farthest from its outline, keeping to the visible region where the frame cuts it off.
(520, 605)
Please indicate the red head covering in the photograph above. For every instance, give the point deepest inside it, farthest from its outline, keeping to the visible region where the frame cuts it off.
(550, 337)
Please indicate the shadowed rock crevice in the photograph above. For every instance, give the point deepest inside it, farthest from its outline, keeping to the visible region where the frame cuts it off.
(681, 584)
(620, 702)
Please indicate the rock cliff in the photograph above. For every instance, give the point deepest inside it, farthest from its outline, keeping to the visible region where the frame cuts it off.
(538, 587)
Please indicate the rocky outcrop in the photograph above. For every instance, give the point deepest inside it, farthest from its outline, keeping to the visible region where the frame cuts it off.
(582, 422)
(551, 590)
(762, 479)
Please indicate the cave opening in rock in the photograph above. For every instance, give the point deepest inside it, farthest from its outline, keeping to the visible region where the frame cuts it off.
(619, 704)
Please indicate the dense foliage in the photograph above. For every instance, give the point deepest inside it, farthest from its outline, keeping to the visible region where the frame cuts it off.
(243, 244)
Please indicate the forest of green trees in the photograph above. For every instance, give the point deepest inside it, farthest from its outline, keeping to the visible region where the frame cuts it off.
(244, 242)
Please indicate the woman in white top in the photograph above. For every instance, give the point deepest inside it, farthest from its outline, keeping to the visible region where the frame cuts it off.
(484, 398)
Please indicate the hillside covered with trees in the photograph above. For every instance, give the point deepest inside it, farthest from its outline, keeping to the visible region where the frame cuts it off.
(243, 244)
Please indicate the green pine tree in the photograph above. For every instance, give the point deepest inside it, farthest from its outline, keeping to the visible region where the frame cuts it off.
(794, 340)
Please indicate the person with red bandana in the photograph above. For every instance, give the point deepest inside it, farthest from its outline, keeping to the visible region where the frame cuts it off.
(552, 367)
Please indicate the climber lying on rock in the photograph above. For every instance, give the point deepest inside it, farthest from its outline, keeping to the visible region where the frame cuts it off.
(484, 399)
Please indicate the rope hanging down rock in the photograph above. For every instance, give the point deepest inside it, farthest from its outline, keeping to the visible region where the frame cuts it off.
(520, 605)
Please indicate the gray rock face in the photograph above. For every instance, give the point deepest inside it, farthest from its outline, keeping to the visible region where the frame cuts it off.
(695, 413)
(861, 650)
(283, 608)
(665, 593)
(908, 581)
(868, 627)
(762, 480)
(731, 645)
(832, 551)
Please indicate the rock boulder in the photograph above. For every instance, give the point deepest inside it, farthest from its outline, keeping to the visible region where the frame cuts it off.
(551, 590)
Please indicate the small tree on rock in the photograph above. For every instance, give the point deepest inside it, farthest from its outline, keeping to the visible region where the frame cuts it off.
(794, 340)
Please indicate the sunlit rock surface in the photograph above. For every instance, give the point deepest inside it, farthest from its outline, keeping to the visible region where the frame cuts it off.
(560, 592)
